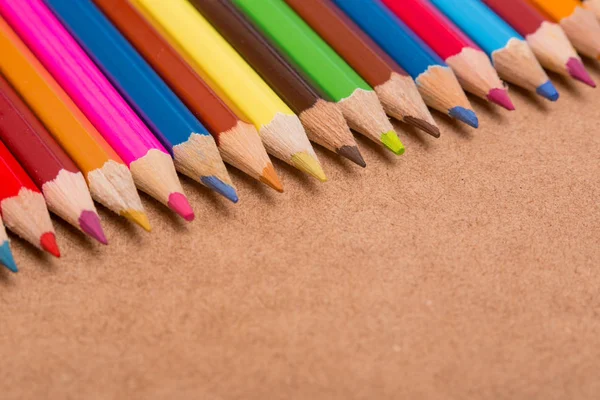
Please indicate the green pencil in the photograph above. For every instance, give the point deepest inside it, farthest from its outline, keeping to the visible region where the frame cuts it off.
(323, 68)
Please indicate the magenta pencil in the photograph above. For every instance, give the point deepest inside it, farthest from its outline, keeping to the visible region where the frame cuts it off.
(151, 165)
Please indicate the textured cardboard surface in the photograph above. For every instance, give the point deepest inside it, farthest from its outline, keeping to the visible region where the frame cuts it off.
(467, 268)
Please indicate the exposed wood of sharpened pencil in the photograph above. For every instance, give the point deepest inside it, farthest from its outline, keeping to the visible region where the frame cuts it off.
(238, 141)
(593, 5)
(547, 39)
(62, 183)
(109, 180)
(581, 25)
(234, 81)
(23, 207)
(396, 90)
(324, 68)
(470, 64)
(322, 119)
(150, 164)
(6, 256)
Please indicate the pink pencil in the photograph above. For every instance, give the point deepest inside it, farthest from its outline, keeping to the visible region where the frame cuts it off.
(151, 166)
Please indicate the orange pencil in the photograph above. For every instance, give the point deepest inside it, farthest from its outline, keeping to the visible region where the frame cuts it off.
(109, 180)
(580, 25)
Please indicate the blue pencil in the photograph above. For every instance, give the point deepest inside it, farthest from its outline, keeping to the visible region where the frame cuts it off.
(6, 257)
(194, 150)
(436, 81)
(510, 53)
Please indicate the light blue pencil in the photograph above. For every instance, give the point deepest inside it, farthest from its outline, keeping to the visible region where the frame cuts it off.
(6, 257)
(510, 53)
(194, 149)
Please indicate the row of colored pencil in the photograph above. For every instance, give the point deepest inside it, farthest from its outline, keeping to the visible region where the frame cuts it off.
(100, 97)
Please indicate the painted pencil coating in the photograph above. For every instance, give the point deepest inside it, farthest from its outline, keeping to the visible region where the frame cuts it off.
(22, 206)
(6, 256)
(436, 81)
(547, 39)
(326, 70)
(238, 140)
(62, 183)
(195, 152)
(323, 121)
(109, 180)
(234, 81)
(396, 90)
(508, 50)
(149, 162)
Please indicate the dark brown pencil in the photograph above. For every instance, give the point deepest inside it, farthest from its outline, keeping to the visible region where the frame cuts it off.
(396, 90)
(324, 122)
(237, 140)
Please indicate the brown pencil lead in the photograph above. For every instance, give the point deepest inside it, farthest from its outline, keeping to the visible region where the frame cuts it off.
(352, 153)
(423, 125)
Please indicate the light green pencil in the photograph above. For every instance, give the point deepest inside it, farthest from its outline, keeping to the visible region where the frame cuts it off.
(324, 68)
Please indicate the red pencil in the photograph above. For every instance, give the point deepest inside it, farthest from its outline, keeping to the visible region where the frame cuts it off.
(470, 64)
(547, 39)
(62, 183)
(22, 205)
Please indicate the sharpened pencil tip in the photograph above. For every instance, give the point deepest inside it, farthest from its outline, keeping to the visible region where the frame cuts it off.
(139, 218)
(309, 164)
(220, 187)
(269, 177)
(352, 153)
(577, 70)
(465, 115)
(392, 142)
(423, 125)
(6, 257)
(500, 97)
(548, 91)
(48, 244)
(179, 203)
(89, 222)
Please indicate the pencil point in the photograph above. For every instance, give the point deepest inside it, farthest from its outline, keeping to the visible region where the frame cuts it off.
(138, 217)
(423, 125)
(89, 222)
(48, 244)
(577, 70)
(465, 115)
(6, 257)
(352, 153)
(309, 164)
(179, 203)
(220, 187)
(548, 91)
(500, 97)
(392, 142)
(269, 177)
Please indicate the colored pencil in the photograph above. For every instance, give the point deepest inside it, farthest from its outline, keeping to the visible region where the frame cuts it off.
(547, 39)
(151, 165)
(508, 50)
(324, 68)
(6, 256)
(435, 80)
(323, 121)
(62, 183)
(109, 180)
(470, 64)
(593, 5)
(23, 207)
(238, 140)
(581, 25)
(194, 149)
(396, 90)
(234, 81)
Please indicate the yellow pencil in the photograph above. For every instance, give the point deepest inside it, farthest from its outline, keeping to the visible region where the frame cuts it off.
(580, 25)
(234, 81)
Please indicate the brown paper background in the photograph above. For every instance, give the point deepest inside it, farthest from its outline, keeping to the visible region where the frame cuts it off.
(467, 268)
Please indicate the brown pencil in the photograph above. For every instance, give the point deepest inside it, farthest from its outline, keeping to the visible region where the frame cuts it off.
(394, 87)
(323, 120)
(237, 140)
